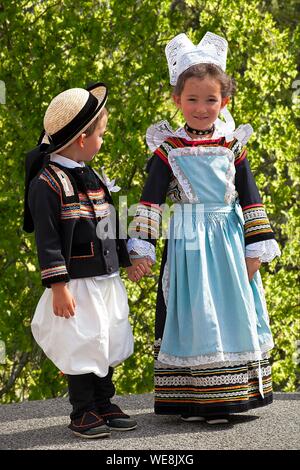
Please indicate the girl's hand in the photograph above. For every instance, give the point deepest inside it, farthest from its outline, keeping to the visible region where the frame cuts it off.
(253, 265)
(63, 301)
(140, 267)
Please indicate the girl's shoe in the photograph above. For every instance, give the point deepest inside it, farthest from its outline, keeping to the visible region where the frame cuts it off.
(217, 420)
(192, 418)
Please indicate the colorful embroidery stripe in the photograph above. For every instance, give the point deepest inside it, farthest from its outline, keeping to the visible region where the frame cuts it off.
(70, 211)
(166, 147)
(93, 204)
(171, 143)
(54, 271)
(102, 211)
(256, 220)
(99, 194)
(150, 204)
(64, 179)
(48, 178)
(217, 388)
(238, 150)
(257, 231)
(178, 388)
(252, 206)
(146, 222)
(241, 157)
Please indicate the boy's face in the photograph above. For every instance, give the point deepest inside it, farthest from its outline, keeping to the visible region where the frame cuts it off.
(200, 102)
(92, 143)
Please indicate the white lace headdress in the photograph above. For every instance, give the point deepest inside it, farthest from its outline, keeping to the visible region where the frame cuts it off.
(181, 53)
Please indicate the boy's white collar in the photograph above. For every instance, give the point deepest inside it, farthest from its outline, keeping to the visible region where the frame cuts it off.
(64, 161)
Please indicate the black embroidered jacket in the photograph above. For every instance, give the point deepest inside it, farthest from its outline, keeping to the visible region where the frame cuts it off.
(67, 206)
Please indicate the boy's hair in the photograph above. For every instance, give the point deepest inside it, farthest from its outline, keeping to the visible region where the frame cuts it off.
(89, 131)
(201, 71)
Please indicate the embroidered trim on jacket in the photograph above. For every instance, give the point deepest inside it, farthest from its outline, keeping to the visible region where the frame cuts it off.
(169, 144)
(50, 180)
(54, 271)
(146, 222)
(239, 151)
(256, 220)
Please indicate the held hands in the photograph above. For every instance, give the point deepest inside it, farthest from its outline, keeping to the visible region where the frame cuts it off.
(253, 265)
(140, 267)
(63, 301)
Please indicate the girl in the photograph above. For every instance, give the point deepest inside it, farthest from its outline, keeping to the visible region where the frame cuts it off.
(212, 329)
(81, 321)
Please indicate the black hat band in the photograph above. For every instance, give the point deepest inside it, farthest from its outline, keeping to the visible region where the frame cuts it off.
(65, 134)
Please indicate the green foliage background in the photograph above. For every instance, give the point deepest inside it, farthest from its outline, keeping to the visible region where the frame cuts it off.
(48, 46)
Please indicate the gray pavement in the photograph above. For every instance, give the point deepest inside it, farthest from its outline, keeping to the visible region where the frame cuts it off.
(43, 425)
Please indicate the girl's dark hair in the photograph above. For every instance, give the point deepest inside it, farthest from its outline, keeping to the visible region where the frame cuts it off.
(89, 131)
(201, 71)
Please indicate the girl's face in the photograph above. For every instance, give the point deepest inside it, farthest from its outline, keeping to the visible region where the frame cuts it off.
(201, 102)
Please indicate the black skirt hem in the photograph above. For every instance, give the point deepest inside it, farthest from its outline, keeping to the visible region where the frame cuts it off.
(209, 410)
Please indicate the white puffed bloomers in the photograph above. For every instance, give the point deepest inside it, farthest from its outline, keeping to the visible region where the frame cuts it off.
(98, 336)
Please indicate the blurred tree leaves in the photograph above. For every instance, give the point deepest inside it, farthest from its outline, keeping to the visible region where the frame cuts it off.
(47, 46)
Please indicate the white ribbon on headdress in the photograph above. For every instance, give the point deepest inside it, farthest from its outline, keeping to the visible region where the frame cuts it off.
(227, 126)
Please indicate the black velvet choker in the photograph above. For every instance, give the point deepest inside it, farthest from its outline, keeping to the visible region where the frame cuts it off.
(196, 132)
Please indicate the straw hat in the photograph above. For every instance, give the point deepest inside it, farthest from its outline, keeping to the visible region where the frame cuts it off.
(70, 113)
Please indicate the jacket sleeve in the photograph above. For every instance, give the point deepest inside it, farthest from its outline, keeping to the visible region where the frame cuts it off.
(44, 204)
(257, 226)
(144, 230)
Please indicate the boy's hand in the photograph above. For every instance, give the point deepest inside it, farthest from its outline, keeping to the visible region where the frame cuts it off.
(63, 301)
(140, 267)
(253, 265)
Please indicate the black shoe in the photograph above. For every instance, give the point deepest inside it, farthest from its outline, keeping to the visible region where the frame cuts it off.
(116, 420)
(89, 426)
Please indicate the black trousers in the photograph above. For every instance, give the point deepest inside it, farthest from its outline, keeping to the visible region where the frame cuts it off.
(88, 392)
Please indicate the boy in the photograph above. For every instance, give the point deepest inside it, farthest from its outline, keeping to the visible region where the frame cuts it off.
(81, 321)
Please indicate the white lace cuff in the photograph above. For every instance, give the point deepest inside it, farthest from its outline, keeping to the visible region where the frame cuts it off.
(142, 248)
(266, 250)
